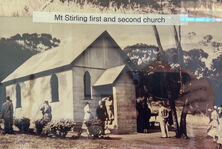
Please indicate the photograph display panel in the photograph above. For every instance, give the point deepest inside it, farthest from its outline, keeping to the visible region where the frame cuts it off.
(72, 68)
(122, 83)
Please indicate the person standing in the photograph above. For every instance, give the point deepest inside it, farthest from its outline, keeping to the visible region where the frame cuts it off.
(146, 113)
(87, 116)
(7, 115)
(87, 112)
(219, 130)
(139, 115)
(163, 115)
(46, 112)
(102, 115)
(208, 113)
(211, 131)
(109, 107)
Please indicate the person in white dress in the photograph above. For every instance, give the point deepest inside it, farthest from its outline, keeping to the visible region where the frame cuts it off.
(87, 115)
(211, 131)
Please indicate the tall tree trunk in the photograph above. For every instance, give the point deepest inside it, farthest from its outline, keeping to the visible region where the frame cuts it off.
(183, 129)
(180, 60)
(177, 38)
(179, 34)
(160, 54)
(174, 116)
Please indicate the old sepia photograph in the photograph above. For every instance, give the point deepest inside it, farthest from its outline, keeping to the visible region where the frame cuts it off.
(196, 8)
(110, 86)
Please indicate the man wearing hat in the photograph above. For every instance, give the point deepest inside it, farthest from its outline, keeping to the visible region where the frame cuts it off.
(7, 115)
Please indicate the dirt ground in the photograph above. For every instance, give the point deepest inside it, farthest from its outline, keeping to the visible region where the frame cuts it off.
(198, 140)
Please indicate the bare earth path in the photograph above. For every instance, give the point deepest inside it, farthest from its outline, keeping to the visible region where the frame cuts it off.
(198, 140)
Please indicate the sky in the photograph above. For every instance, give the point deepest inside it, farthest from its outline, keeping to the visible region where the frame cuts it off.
(123, 34)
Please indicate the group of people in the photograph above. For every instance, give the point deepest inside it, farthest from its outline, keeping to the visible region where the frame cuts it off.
(144, 114)
(215, 125)
(7, 114)
(104, 113)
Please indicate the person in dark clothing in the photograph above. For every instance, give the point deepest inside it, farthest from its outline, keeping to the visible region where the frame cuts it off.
(143, 116)
(102, 115)
(170, 119)
(7, 115)
(139, 115)
(146, 115)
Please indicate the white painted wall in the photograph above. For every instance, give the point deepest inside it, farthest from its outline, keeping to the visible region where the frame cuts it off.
(35, 92)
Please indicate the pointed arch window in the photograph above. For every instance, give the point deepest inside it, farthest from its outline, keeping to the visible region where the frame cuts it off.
(87, 85)
(54, 83)
(18, 96)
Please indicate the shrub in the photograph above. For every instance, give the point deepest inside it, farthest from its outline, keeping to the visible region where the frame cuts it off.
(22, 124)
(58, 128)
(39, 125)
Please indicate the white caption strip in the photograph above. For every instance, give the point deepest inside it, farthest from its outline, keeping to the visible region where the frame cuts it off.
(121, 19)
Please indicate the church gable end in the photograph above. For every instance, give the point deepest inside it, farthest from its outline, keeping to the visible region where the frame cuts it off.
(103, 53)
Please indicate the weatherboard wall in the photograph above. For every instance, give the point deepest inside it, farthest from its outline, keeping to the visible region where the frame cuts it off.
(34, 92)
(100, 56)
(103, 53)
(78, 92)
(125, 104)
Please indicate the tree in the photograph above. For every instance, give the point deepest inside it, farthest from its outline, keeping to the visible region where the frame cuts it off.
(152, 5)
(18, 48)
(177, 37)
(191, 35)
(180, 61)
(141, 54)
(208, 38)
(217, 78)
(194, 62)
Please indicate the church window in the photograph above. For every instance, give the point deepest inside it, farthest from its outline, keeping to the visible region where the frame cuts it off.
(87, 85)
(54, 83)
(18, 96)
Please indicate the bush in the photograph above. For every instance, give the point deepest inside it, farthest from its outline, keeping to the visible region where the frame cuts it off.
(58, 128)
(39, 125)
(22, 124)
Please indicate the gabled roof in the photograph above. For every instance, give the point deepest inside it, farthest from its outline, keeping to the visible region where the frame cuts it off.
(109, 76)
(63, 55)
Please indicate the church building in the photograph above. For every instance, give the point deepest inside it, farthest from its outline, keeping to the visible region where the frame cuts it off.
(71, 75)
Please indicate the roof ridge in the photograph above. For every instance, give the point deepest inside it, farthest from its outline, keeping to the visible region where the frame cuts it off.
(63, 55)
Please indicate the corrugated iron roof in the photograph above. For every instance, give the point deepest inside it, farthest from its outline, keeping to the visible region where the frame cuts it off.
(63, 55)
(109, 75)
